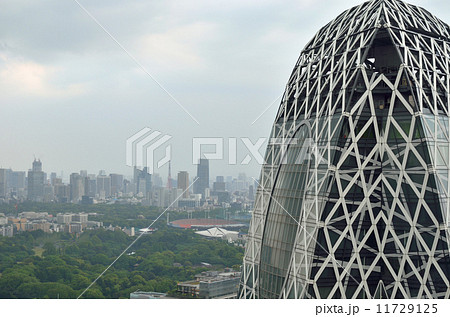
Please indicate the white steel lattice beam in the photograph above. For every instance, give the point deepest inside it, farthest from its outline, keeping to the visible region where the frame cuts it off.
(369, 205)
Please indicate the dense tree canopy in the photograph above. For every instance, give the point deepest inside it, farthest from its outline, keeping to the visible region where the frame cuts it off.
(61, 265)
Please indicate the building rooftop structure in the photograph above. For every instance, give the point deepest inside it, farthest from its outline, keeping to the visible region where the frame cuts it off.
(148, 295)
(219, 233)
(205, 223)
(212, 284)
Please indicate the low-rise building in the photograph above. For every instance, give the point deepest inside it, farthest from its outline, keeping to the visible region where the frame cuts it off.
(94, 224)
(129, 231)
(64, 218)
(7, 231)
(44, 226)
(189, 288)
(219, 233)
(212, 284)
(187, 203)
(147, 295)
(76, 227)
(18, 223)
(33, 215)
(83, 218)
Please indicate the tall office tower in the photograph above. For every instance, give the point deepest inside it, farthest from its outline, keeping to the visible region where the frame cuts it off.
(116, 183)
(18, 180)
(103, 186)
(148, 179)
(251, 192)
(36, 179)
(76, 187)
(219, 186)
(156, 180)
(127, 186)
(87, 186)
(61, 192)
(183, 183)
(219, 190)
(3, 182)
(220, 179)
(49, 194)
(202, 179)
(242, 177)
(92, 179)
(142, 180)
(17, 184)
(353, 201)
(37, 166)
(52, 177)
(83, 173)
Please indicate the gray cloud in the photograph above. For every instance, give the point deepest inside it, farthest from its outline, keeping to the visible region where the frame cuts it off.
(72, 96)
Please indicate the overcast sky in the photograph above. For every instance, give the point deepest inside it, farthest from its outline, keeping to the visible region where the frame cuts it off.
(71, 96)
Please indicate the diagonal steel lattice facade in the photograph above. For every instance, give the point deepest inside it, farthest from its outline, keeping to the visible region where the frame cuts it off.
(352, 200)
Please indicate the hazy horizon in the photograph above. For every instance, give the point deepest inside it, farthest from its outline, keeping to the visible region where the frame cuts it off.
(71, 95)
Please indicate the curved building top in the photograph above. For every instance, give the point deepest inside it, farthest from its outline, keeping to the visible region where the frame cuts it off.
(406, 35)
(381, 13)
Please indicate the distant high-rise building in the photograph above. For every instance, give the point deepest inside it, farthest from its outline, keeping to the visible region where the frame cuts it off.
(76, 187)
(128, 187)
(61, 192)
(219, 190)
(202, 179)
(242, 177)
(218, 186)
(52, 177)
(168, 197)
(220, 179)
(16, 183)
(3, 182)
(251, 192)
(103, 186)
(36, 180)
(116, 183)
(18, 180)
(183, 183)
(49, 194)
(37, 166)
(142, 180)
(157, 180)
(87, 186)
(92, 179)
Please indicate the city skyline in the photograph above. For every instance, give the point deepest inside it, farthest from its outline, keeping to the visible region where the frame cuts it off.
(65, 174)
(233, 149)
(72, 96)
(86, 188)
